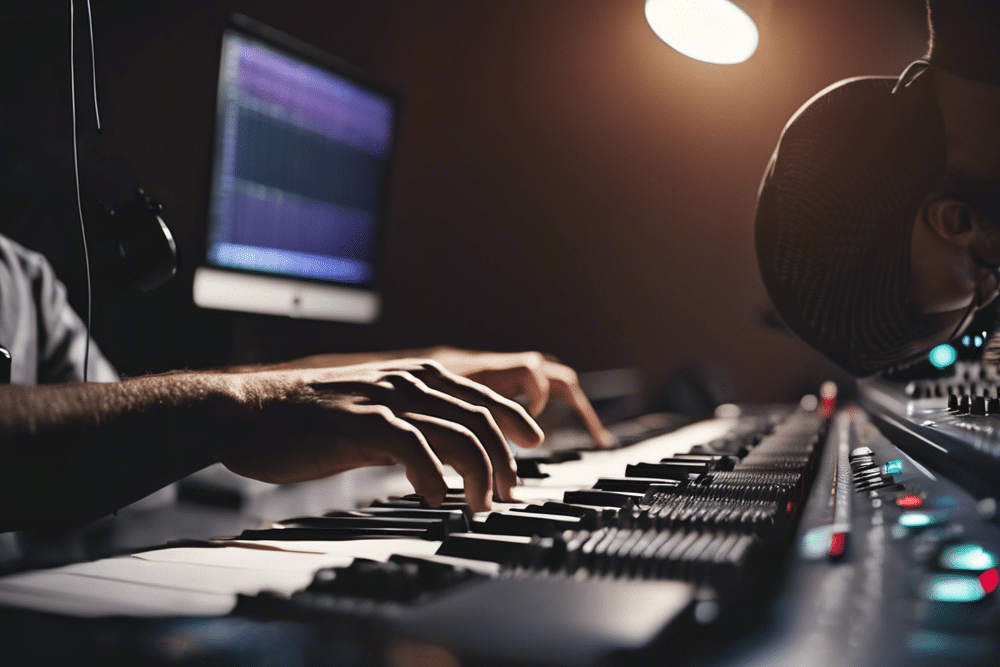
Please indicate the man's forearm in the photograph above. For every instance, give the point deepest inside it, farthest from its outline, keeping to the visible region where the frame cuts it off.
(71, 453)
(350, 359)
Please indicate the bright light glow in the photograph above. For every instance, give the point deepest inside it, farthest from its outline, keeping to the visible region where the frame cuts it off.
(966, 557)
(714, 31)
(893, 467)
(953, 588)
(809, 402)
(728, 411)
(828, 390)
(916, 520)
(943, 356)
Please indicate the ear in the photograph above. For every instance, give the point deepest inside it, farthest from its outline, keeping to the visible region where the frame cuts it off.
(951, 220)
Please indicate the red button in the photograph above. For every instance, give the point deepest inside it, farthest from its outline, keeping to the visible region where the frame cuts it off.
(910, 502)
(988, 580)
(838, 542)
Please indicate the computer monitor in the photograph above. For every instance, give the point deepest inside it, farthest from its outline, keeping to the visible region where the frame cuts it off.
(300, 170)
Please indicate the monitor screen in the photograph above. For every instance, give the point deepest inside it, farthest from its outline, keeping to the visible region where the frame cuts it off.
(300, 171)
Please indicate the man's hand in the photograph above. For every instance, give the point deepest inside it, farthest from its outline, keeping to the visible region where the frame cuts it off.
(529, 374)
(307, 424)
(511, 374)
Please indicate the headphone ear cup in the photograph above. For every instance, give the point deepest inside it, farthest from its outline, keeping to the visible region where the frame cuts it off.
(145, 243)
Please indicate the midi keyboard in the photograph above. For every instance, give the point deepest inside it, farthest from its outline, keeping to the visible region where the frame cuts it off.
(784, 536)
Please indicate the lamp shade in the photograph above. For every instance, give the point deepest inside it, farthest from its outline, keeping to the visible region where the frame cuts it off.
(713, 31)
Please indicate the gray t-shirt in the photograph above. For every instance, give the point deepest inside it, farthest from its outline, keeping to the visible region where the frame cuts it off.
(38, 327)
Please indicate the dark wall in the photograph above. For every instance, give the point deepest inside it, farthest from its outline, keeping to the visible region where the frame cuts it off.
(565, 181)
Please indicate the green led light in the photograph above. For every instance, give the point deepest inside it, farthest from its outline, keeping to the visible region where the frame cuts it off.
(953, 588)
(893, 467)
(967, 557)
(943, 356)
(978, 340)
(916, 520)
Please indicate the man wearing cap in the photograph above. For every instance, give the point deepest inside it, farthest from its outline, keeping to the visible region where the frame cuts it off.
(878, 221)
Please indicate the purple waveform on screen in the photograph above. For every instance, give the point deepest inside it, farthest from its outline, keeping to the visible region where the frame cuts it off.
(288, 262)
(300, 226)
(326, 103)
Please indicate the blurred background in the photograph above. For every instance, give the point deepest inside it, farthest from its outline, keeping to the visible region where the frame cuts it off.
(565, 181)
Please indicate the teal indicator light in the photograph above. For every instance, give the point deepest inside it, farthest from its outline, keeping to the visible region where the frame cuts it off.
(953, 588)
(943, 356)
(967, 557)
(916, 520)
(893, 467)
(978, 340)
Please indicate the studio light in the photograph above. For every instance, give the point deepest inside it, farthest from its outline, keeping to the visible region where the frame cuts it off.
(714, 31)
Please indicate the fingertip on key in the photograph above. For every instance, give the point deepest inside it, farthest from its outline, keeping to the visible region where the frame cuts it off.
(607, 440)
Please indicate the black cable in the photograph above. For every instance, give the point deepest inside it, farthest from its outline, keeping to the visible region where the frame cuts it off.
(76, 177)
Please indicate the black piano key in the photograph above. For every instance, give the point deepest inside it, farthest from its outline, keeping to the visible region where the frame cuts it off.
(528, 469)
(375, 580)
(503, 549)
(619, 553)
(550, 458)
(450, 496)
(667, 487)
(601, 513)
(629, 484)
(596, 558)
(409, 503)
(602, 498)
(300, 533)
(715, 461)
(586, 521)
(640, 556)
(606, 551)
(671, 550)
(668, 469)
(574, 543)
(436, 529)
(716, 567)
(586, 554)
(520, 523)
(735, 562)
(455, 519)
(688, 560)
(658, 558)
(435, 574)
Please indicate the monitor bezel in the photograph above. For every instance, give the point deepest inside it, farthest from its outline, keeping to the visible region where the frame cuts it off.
(210, 279)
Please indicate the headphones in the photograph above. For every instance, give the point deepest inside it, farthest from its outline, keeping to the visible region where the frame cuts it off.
(141, 244)
(143, 247)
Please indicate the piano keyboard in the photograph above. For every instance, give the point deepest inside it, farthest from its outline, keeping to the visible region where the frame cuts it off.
(796, 538)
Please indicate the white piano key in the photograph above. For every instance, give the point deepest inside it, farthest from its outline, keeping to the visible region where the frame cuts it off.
(58, 592)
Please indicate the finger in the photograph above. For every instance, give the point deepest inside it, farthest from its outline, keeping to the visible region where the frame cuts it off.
(423, 399)
(406, 445)
(565, 386)
(459, 447)
(514, 421)
(525, 380)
